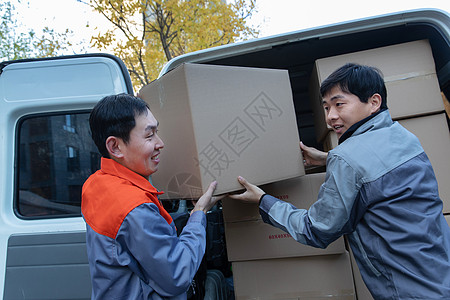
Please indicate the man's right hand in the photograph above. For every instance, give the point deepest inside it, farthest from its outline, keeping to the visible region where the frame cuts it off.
(252, 193)
(312, 156)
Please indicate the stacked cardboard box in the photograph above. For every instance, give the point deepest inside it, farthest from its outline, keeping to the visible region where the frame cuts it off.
(269, 264)
(446, 104)
(361, 290)
(249, 238)
(316, 277)
(410, 76)
(216, 122)
(414, 99)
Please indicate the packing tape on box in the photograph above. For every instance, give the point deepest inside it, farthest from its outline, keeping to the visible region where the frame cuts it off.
(410, 75)
(161, 93)
(345, 294)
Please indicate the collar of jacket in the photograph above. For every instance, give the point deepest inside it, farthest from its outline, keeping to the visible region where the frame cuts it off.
(112, 167)
(364, 124)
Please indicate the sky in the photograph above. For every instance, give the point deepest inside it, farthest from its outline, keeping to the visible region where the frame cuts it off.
(273, 16)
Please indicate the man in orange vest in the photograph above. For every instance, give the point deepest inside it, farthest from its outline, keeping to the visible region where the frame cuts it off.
(132, 243)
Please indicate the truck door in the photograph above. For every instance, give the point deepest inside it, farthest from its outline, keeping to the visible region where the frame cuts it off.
(46, 155)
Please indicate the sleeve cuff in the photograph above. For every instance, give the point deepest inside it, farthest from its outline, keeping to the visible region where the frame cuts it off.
(260, 199)
(198, 217)
(266, 203)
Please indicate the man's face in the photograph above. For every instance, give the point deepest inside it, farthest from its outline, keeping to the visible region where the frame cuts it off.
(344, 109)
(141, 154)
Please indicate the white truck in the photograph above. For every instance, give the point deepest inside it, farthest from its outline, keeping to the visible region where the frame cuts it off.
(47, 152)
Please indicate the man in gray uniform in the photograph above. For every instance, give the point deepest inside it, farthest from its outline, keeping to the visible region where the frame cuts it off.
(380, 191)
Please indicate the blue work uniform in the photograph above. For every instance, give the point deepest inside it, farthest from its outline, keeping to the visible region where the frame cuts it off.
(132, 243)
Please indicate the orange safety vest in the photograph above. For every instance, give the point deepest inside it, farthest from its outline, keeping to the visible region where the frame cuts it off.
(111, 193)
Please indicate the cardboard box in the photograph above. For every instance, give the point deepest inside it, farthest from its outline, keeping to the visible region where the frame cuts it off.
(434, 135)
(409, 74)
(218, 122)
(301, 191)
(316, 277)
(249, 238)
(446, 104)
(416, 96)
(362, 292)
(254, 240)
(331, 141)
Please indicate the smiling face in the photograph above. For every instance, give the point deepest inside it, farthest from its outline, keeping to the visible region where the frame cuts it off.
(141, 153)
(344, 109)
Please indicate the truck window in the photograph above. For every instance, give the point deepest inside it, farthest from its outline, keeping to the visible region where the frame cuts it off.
(55, 156)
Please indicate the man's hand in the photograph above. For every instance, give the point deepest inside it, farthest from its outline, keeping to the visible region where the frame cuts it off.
(252, 193)
(207, 201)
(312, 156)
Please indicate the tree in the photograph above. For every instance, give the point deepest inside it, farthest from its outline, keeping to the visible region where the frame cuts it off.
(145, 34)
(18, 44)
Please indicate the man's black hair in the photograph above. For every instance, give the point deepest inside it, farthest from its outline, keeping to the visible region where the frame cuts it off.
(362, 81)
(115, 116)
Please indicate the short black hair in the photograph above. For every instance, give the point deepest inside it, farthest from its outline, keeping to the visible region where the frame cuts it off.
(362, 81)
(115, 116)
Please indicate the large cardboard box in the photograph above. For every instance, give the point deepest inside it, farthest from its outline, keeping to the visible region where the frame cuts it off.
(434, 135)
(301, 191)
(446, 104)
(362, 292)
(249, 238)
(331, 141)
(218, 122)
(254, 240)
(409, 73)
(316, 277)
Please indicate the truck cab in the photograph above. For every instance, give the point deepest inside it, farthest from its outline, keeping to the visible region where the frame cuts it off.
(47, 152)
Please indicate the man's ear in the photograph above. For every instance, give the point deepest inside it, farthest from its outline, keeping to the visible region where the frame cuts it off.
(113, 147)
(375, 102)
